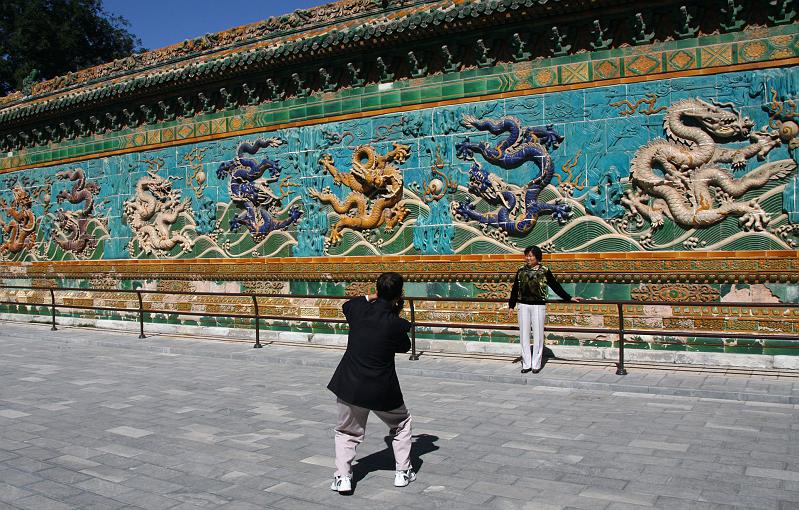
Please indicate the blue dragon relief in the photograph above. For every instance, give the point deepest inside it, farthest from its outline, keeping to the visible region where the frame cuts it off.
(251, 192)
(519, 208)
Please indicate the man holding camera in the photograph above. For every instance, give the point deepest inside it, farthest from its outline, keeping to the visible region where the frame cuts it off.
(366, 380)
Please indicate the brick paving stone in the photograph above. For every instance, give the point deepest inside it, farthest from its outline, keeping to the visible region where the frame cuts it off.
(146, 500)
(59, 474)
(599, 482)
(53, 490)
(10, 493)
(103, 487)
(740, 499)
(18, 478)
(286, 504)
(779, 474)
(627, 506)
(91, 501)
(246, 494)
(564, 501)
(186, 506)
(39, 502)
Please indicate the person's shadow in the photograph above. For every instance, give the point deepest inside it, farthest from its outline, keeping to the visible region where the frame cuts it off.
(546, 355)
(384, 459)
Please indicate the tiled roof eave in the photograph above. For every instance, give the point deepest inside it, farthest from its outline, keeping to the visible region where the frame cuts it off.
(292, 49)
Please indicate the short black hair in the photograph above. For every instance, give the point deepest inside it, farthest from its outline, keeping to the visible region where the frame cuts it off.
(535, 250)
(389, 286)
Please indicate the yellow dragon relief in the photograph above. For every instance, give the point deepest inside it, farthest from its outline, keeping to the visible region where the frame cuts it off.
(19, 232)
(376, 185)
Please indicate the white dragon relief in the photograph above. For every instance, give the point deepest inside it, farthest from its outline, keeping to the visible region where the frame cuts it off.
(152, 211)
(685, 178)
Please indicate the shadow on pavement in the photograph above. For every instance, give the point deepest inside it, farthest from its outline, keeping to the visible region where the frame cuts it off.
(546, 355)
(384, 459)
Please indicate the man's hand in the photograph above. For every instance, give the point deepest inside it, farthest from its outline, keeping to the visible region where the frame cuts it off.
(577, 299)
(510, 313)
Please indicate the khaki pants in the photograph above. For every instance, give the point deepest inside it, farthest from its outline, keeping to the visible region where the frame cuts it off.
(352, 426)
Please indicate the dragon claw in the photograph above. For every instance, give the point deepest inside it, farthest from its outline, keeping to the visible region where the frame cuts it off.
(335, 237)
(561, 213)
(463, 208)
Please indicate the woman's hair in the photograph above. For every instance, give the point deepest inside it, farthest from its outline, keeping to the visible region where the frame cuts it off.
(535, 250)
(389, 286)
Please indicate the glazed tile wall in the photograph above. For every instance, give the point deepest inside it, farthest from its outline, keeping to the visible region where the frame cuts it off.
(176, 201)
(180, 195)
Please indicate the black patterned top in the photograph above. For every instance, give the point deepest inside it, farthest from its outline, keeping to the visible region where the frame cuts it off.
(530, 286)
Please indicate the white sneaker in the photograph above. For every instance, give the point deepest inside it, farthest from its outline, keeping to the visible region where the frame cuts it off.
(341, 484)
(403, 478)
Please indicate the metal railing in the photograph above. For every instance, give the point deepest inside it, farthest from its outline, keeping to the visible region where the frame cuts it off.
(620, 331)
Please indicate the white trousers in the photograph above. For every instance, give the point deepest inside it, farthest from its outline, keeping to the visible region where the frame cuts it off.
(352, 426)
(531, 318)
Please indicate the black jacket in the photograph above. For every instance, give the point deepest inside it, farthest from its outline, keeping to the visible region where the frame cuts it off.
(366, 376)
(534, 290)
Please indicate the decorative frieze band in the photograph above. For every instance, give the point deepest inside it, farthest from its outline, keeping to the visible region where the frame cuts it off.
(668, 267)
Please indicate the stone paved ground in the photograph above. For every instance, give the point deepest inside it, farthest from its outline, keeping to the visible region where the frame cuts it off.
(101, 420)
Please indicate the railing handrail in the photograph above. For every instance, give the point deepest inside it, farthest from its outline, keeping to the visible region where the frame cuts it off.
(591, 301)
(257, 316)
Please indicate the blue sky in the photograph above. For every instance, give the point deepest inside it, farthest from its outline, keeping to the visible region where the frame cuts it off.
(160, 23)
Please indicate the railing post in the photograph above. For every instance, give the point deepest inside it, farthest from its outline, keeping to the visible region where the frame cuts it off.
(52, 308)
(414, 355)
(141, 315)
(257, 323)
(620, 365)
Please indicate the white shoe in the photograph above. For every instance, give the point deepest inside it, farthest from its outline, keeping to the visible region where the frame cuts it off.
(403, 478)
(341, 484)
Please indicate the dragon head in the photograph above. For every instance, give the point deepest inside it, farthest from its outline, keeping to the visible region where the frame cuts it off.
(92, 187)
(161, 188)
(548, 137)
(21, 197)
(720, 120)
(226, 168)
(479, 180)
(61, 218)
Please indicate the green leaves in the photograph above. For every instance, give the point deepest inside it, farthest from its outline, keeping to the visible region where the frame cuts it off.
(57, 37)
